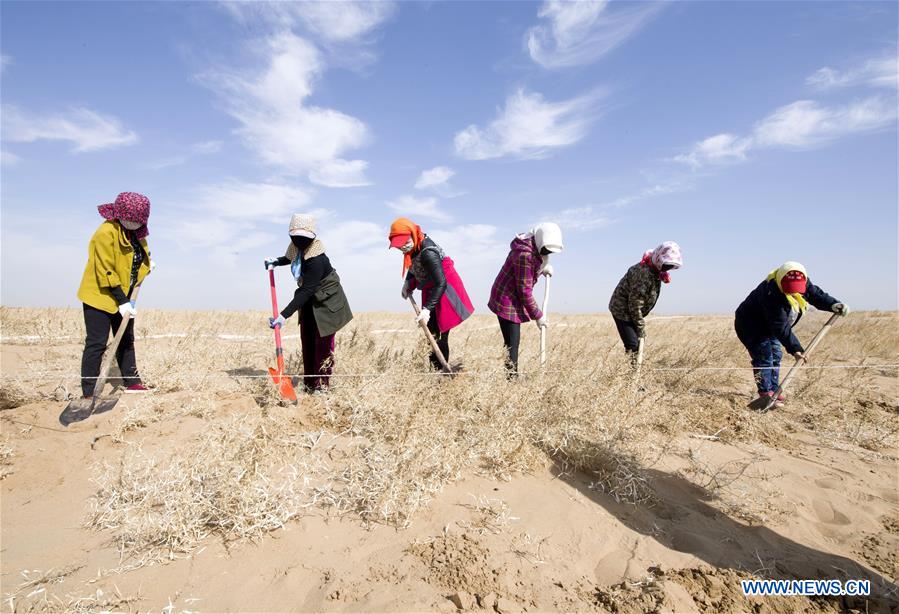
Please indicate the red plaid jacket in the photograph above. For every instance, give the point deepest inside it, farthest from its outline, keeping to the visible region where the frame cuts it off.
(512, 295)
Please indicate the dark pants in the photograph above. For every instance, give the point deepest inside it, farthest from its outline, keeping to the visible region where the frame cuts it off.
(98, 324)
(318, 353)
(511, 339)
(442, 340)
(765, 355)
(629, 335)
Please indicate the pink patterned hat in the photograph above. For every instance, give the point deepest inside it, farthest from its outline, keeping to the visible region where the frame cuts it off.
(131, 207)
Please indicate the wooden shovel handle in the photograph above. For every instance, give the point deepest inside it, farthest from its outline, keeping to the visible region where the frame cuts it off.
(110, 352)
(543, 329)
(811, 346)
(430, 337)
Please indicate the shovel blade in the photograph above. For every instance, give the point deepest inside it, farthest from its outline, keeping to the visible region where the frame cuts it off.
(82, 409)
(285, 386)
(762, 404)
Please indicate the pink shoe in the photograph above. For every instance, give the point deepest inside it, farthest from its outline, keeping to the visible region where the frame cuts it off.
(780, 401)
(136, 389)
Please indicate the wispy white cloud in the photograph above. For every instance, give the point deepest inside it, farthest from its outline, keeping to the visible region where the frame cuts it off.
(434, 177)
(340, 174)
(671, 186)
(5, 61)
(595, 216)
(413, 206)
(437, 180)
(529, 127)
(804, 124)
(280, 127)
(238, 200)
(7, 158)
(231, 217)
(86, 129)
(206, 147)
(718, 149)
(875, 72)
(579, 218)
(342, 21)
(577, 33)
(345, 21)
(203, 148)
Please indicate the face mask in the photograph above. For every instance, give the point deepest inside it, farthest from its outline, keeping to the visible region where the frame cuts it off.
(130, 225)
(407, 246)
(301, 242)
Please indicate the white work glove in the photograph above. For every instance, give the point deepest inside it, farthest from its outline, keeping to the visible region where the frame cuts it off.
(405, 291)
(270, 263)
(541, 321)
(152, 265)
(127, 310)
(276, 322)
(547, 271)
(841, 309)
(423, 316)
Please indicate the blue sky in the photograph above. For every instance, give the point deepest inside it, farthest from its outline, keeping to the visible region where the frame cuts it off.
(751, 133)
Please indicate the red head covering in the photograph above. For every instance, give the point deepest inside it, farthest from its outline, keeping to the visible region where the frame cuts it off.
(793, 282)
(400, 232)
(131, 207)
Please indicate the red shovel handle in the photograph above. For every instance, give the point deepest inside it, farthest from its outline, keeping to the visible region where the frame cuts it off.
(279, 352)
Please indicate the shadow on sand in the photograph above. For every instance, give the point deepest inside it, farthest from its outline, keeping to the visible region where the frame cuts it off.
(680, 518)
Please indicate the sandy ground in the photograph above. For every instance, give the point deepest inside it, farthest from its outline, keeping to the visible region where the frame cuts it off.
(546, 540)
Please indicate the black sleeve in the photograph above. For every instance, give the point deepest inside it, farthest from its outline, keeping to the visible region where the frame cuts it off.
(119, 295)
(432, 263)
(282, 261)
(819, 298)
(313, 273)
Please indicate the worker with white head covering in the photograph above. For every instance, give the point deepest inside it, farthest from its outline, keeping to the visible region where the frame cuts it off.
(512, 296)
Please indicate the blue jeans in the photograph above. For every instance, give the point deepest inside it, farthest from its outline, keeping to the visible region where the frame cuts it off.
(766, 355)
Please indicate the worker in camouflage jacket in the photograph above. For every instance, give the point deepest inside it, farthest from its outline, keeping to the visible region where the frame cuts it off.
(637, 292)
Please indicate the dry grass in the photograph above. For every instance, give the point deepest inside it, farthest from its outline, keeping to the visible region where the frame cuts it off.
(383, 446)
(7, 452)
(242, 479)
(36, 594)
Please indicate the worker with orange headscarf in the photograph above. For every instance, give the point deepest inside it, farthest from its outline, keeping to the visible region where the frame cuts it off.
(445, 303)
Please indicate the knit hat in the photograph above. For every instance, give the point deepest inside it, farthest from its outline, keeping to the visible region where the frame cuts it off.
(302, 225)
(548, 235)
(131, 207)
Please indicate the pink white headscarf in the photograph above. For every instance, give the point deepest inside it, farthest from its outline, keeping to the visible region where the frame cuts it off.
(666, 253)
(131, 207)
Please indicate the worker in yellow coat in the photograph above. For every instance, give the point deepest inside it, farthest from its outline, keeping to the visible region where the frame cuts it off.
(118, 260)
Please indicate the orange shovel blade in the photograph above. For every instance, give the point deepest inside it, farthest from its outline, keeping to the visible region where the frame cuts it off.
(285, 386)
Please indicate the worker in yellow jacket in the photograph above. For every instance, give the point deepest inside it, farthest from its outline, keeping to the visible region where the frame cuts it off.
(118, 261)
